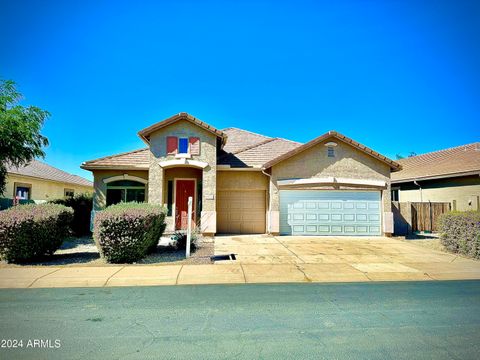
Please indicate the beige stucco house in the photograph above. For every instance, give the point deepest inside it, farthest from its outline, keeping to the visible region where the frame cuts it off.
(40, 182)
(450, 175)
(242, 182)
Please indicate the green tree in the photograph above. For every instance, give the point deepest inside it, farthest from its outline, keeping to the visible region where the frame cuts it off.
(20, 138)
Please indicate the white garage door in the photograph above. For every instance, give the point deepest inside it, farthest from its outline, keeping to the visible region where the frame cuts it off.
(328, 212)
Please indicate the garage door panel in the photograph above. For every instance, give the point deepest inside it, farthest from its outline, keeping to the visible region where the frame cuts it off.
(241, 212)
(317, 212)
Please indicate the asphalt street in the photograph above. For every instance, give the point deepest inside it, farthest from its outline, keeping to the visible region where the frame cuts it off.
(404, 320)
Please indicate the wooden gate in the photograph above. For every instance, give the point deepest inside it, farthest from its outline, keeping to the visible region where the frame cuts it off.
(425, 215)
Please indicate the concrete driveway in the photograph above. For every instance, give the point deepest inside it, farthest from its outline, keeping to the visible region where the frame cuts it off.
(296, 258)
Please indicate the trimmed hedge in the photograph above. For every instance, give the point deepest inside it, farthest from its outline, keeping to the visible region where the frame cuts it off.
(460, 232)
(82, 207)
(31, 231)
(127, 232)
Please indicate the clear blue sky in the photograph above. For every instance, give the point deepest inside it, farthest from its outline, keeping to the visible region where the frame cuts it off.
(398, 76)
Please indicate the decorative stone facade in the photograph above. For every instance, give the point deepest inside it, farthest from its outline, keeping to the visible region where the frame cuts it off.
(208, 155)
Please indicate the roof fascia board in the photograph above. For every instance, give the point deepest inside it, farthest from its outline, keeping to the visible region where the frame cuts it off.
(113, 167)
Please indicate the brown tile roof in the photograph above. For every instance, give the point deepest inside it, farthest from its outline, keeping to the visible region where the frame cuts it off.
(239, 139)
(443, 163)
(333, 134)
(243, 149)
(258, 151)
(132, 160)
(41, 170)
(145, 133)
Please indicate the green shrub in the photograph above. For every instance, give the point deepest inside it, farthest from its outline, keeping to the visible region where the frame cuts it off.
(127, 232)
(6, 203)
(180, 240)
(460, 232)
(34, 230)
(82, 208)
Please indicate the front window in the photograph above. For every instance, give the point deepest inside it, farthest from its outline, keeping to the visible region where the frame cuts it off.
(330, 151)
(183, 145)
(22, 193)
(395, 194)
(125, 191)
(69, 192)
(169, 197)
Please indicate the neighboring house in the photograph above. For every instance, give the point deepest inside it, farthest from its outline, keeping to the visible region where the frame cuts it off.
(450, 175)
(40, 182)
(243, 182)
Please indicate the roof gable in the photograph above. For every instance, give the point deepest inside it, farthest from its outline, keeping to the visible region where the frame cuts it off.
(145, 133)
(334, 135)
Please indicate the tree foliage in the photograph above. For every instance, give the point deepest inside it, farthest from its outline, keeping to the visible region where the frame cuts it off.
(20, 138)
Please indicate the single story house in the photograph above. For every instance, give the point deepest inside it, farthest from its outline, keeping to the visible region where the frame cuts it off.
(242, 182)
(39, 182)
(450, 175)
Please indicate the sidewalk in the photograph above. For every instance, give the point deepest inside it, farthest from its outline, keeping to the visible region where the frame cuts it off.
(146, 275)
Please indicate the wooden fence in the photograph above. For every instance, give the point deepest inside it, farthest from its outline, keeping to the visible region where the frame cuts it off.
(411, 217)
(425, 215)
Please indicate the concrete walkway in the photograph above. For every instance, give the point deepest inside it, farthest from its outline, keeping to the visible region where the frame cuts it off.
(262, 259)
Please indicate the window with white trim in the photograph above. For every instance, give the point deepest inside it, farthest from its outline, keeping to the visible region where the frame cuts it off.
(22, 192)
(125, 191)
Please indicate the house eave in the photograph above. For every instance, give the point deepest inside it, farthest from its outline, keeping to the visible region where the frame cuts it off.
(229, 168)
(113, 167)
(435, 177)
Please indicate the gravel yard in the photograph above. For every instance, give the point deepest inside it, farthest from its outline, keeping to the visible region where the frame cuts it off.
(83, 252)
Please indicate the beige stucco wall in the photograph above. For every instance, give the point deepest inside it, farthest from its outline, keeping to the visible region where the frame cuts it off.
(464, 191)
(100, 195)
(241, 180)
(208, 154)
(41, 189)
(348, 162)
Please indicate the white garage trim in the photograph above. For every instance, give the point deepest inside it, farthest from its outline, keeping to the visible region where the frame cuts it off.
(332, 180)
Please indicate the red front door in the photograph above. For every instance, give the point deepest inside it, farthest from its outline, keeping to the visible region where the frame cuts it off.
(184, 189)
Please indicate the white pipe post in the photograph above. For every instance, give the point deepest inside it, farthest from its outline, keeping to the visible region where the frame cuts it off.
(189, 227)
